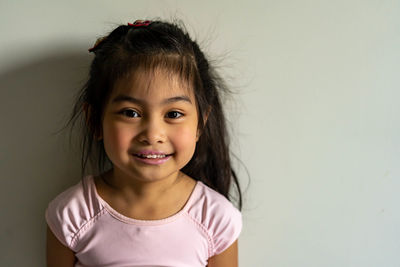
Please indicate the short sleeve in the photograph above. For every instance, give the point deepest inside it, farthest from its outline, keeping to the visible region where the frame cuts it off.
(60, 217)
(226, 228)
(67, 213)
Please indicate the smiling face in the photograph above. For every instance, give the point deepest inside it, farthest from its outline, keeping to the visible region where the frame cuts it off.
(150, 126)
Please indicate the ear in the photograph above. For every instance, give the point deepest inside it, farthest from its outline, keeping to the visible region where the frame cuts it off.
(205, 119)
(87, 108)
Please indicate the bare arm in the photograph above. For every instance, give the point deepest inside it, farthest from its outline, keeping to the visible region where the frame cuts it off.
(57, 254)
(228, 258)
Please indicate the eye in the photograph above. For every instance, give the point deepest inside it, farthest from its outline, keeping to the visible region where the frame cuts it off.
(174, 115)
(131, 113)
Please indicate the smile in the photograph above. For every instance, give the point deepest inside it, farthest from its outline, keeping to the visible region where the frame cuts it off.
(149, 156)
(152, 158)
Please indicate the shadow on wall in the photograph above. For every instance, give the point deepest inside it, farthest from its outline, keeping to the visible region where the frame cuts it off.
(36, 163)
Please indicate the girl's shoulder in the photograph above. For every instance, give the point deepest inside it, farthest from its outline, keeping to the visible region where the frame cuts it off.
(72, 209)
(208, 204)
(221, 220)
(210, 200)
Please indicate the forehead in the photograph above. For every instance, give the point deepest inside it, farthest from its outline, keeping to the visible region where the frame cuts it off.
(152, 84)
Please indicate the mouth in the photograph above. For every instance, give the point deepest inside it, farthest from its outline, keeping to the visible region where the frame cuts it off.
(152, 158)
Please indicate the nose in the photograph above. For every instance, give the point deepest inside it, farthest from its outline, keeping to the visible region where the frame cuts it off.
(152, 132)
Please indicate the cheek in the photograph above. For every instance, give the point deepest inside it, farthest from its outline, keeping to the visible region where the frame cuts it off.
(185, 140)
(115, 139)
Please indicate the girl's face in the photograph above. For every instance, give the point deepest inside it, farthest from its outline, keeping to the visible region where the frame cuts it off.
(149, 126)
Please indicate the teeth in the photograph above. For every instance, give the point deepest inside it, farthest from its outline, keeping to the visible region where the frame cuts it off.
(152, 156)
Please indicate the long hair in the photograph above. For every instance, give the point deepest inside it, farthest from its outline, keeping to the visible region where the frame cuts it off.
(148, 46)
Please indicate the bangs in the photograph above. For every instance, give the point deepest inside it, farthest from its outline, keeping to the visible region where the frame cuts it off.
(180, 68)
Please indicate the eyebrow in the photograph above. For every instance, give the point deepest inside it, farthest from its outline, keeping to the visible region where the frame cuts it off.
(126, 98)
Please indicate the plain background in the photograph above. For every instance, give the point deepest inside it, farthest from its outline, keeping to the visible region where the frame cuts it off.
(316, 119)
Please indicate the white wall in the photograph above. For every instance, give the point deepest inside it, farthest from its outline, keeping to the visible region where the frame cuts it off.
(317, 119)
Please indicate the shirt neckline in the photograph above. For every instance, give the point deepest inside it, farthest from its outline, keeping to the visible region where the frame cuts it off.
(130, 220)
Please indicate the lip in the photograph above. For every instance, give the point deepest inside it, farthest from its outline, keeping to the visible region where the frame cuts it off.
(151, 152)
(151, 161)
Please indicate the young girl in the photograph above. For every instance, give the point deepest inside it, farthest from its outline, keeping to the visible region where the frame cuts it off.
(153, 115)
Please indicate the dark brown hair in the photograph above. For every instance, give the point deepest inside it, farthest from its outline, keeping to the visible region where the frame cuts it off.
(166, 45)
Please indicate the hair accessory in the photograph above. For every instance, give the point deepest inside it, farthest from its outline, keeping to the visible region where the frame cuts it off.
(98, 41)
(140, 23)
(137, 23)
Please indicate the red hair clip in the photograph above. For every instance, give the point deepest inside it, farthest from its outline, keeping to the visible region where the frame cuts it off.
(140, 23)
(137, 23)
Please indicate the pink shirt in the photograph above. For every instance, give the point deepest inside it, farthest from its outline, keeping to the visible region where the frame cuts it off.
(100, 236)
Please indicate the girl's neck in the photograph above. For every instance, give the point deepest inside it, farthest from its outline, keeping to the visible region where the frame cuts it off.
(134, 190)
(146, 201)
